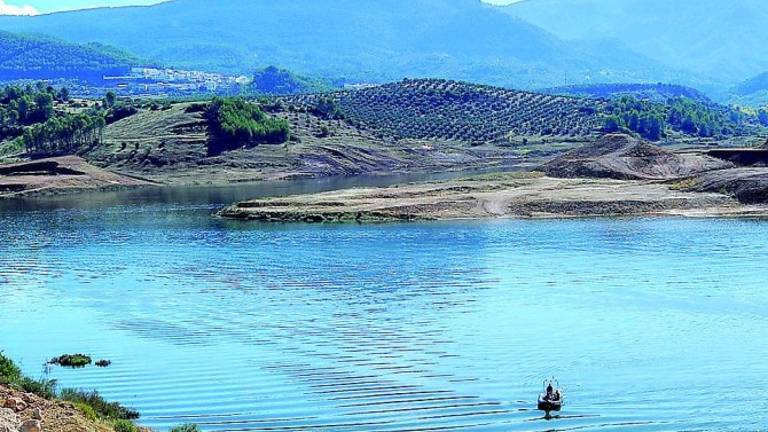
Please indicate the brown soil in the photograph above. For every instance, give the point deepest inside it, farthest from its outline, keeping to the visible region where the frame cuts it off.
(623, 157)
(59, 175)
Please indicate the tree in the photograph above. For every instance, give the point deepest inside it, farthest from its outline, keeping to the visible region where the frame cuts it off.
(110, 99)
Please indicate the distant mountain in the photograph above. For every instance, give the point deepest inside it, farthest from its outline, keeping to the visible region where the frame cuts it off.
(721, 40)
(360, 40)
(756, 84)
(38, 57)
(653, 92)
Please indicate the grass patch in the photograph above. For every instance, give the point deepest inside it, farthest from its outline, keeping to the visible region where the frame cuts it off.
(124, 426)
(186, 428)
(86, 410)
(684, 185)
(104, 409)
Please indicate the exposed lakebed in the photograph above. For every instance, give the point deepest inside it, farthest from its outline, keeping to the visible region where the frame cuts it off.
(651, 323)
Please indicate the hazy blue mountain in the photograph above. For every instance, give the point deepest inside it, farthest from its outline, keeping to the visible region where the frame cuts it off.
(658, 93)
(355, 39)
(37, 57)
(719, 39)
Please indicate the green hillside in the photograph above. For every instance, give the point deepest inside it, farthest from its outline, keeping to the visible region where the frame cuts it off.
(449, 110)
(38, 57)
(441, 109)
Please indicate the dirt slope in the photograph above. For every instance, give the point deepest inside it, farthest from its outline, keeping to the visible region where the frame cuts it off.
(623, 157)
(59, 175)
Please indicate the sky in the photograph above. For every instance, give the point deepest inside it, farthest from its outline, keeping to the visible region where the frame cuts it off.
(34, 7)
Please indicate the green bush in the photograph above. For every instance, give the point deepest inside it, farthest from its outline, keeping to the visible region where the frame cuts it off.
(124, 426)
(42, 387)
(186, 428)
(86, 410)
(10, 374)
(104, 409)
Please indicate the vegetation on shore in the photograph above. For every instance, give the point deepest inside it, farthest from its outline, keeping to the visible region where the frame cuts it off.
(89, 403)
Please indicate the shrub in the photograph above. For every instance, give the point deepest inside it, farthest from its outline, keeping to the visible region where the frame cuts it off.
(9, 372)
(124, 426)
(86, 410)
(42, 387)
(186, 428)
(120, 112)
(104, 409)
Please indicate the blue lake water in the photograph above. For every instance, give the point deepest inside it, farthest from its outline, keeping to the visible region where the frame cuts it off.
(657, 324)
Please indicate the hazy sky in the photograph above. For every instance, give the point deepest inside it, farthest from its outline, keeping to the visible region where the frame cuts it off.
(32, 7)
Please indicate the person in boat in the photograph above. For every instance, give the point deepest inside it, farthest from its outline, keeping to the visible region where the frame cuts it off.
(557, 396)
(550, 394)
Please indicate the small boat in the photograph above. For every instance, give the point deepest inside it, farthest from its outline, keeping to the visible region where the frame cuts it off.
(552, 398)
(548, 405)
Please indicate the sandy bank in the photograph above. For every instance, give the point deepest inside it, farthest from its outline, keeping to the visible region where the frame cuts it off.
(496, 196)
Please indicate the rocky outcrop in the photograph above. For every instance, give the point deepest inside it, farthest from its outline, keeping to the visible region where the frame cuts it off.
(9, 421)
(26, 412)
(623, 157)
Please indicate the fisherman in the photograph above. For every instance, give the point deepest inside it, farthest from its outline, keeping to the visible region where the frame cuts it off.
(549, 395)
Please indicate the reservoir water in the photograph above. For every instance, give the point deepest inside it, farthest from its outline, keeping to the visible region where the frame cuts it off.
(651, 324)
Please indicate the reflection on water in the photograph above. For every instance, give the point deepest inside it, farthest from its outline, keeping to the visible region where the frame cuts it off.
(651, 324)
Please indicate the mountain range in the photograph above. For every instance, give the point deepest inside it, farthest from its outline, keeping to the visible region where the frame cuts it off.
(708, 44)
(716, 39)
(361, 40)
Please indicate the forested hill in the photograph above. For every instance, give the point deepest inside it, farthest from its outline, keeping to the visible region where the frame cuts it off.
(713, 38)
(38, 57)
(360, 40)
(653, 92)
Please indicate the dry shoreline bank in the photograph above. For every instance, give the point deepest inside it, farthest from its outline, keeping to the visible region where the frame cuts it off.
(500, 196)
(616, 176)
